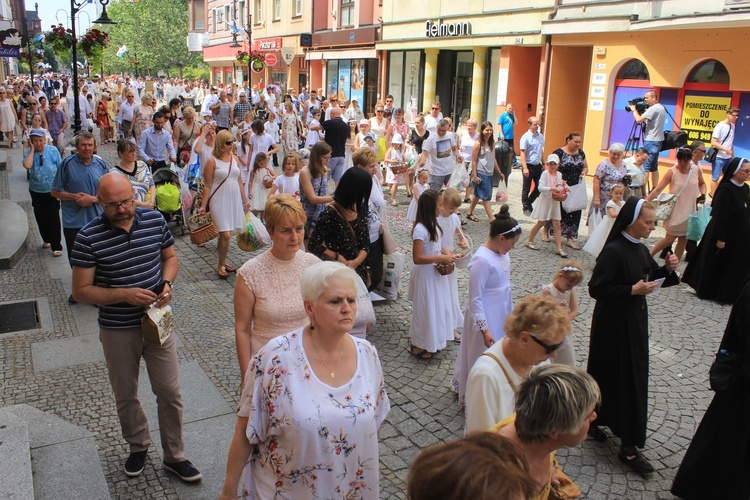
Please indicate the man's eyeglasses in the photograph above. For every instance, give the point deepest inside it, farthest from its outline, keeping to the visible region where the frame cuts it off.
(549, 349)
(112, 207)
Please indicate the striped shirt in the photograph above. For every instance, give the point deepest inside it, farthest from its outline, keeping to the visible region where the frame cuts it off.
(123, 260)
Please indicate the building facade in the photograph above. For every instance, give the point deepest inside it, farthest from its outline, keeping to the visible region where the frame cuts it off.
(342, 57)
(276, 28)
(603, 54)
(474, 57)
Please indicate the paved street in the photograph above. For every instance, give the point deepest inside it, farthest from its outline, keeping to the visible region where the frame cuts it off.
(685, 332)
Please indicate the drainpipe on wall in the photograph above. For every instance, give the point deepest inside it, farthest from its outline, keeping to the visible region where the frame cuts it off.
(547, 69)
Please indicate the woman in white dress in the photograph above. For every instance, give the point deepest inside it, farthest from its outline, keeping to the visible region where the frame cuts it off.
(226, 200)
(8, 116)
(431, 326)
(490, 298)
(313, 401)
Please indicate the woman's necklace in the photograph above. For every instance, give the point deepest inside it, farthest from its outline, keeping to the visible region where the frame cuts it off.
(332, 370)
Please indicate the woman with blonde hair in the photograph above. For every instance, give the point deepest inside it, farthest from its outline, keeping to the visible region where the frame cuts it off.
(263, 307)
(534, 332)
(142, 117)
(184, 134)
(226, 199)
(312, 403)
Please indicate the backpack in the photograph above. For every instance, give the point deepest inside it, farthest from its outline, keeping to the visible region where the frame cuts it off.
(168, 197)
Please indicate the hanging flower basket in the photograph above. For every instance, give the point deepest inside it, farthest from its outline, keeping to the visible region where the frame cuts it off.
(60, 39)
(93, 42)
(255, 59)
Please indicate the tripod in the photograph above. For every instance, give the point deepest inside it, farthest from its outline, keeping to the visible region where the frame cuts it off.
(635, 137)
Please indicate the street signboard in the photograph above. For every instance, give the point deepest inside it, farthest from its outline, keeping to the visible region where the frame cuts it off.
(271, 59)
(287, 54)
(10, 40)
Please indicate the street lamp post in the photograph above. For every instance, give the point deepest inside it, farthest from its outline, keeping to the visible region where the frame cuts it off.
(75, 8)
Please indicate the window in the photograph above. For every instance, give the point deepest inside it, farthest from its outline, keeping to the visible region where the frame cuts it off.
(212, 20)
(405, 80)
(709, 72)
(276, 10)
(228, 16)
(241, 17)
(258, 16)
(296, 8)
(199, 14)
(633, 70)
(347, 13)
(219, 13)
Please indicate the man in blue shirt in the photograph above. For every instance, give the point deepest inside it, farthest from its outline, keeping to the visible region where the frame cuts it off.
(124, 261)
(507, 121)
(42, 162)
(156, 143)
(75, 186)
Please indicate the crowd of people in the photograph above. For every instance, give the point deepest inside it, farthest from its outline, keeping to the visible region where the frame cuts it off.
(313, 391)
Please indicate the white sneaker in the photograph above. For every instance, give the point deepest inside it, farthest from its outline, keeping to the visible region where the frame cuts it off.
(394, 203)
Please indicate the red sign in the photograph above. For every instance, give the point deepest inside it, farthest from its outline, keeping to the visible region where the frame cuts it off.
(271, 59)
(268, 44)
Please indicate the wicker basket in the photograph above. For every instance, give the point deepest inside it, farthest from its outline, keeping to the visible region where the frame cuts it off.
(462, 262)
(202, 229)
(399, 169)
(560, 197)
(445, 269)
(267, 181)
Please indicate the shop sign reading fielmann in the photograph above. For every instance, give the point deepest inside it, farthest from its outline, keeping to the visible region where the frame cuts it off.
(440, 29)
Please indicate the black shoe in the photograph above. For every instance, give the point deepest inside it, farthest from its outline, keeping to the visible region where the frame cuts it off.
(636, 462)
(184, 470)
(663, 254)
(598, 434)
(71, 300)
(134, 463)
(527, 212)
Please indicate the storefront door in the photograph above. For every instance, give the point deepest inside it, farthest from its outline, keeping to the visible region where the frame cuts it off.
(453, 87)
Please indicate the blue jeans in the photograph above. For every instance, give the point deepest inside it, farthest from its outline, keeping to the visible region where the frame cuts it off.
(336, 167)
(718, 167)
(652, 162)
(438, 182)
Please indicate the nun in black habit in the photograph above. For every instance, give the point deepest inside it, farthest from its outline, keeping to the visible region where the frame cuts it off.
(720, 266)
(717, 463)
(624, 274)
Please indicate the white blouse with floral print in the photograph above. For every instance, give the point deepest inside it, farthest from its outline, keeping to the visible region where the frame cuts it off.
(311, 440)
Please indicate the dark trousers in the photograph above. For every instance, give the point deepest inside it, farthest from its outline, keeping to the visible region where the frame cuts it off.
(70, 234)
(47, 215)
(528, 198)
(157, 165)
(375, 261)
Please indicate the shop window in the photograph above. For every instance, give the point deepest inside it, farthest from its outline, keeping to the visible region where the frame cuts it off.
(347, 13)
(709, 72)
(633, 70)
(405, 81)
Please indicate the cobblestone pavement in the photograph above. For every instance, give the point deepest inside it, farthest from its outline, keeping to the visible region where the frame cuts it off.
(685, 332)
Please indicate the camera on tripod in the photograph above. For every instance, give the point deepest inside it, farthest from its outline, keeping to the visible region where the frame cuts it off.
(640, 105)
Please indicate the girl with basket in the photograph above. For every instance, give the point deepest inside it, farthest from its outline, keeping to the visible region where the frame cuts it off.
(553, 191)
(261, 180)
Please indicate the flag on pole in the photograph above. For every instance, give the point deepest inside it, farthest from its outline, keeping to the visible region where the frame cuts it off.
(234, 28)
(121, 51)
(39, 37)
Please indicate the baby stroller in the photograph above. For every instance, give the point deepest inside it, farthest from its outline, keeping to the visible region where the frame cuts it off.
(168, 197)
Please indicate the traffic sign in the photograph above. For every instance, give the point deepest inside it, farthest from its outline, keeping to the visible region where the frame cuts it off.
(271, 59)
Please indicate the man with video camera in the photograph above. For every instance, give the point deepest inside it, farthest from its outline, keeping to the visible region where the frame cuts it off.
(652, 114)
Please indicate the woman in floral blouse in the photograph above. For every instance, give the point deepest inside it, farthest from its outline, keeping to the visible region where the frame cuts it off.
(342, 233)
(312, 404)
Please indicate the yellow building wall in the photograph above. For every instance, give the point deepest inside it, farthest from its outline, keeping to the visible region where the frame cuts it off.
(567, 95)
(669, 57)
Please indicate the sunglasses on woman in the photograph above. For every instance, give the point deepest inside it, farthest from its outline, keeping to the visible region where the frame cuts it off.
(549, 349)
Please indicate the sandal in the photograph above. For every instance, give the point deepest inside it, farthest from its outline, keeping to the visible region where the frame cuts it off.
(230, 269)
(530, 246)
(560, 252)
(571, 244)
(57, 253)
(467, 200)
(222, 272)
(545, 236)
(420, 354)
(472, 218)
(457, 337)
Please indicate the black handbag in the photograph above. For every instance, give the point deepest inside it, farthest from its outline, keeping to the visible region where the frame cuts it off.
(674, 139)
(724, 369)
(712, 151)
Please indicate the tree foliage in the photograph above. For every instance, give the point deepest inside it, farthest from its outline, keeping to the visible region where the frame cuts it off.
(155, 32)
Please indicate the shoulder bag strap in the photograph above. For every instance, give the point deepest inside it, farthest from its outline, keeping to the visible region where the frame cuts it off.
(687, 179)
(208, 202)
(188, 139)
(334, 205)
(670, 115)
(505, 372)
(726, 136)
